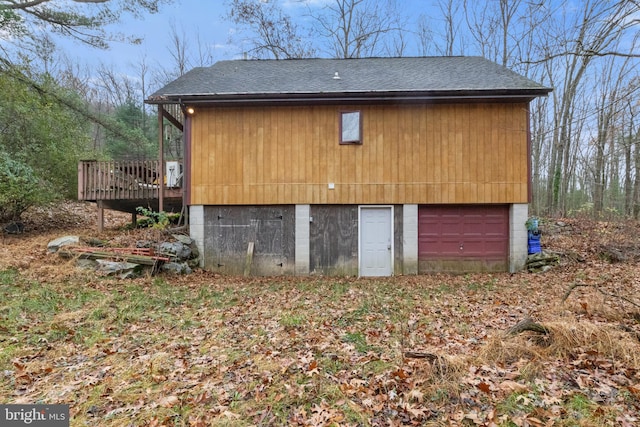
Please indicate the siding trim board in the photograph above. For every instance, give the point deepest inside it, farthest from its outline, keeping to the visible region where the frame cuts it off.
(374, 98)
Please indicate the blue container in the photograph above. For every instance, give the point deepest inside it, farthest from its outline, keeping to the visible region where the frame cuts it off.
(534, 243)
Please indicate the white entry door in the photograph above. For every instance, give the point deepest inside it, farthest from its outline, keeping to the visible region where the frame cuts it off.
(376, 241)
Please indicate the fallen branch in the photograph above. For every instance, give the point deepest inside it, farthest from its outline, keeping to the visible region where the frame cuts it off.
(420, 355)
(527, 324)
(599, 289)
(571, 288)
(612, 254)
(439, 364)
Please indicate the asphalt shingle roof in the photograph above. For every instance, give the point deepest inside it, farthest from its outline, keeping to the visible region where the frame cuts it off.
(256, 78)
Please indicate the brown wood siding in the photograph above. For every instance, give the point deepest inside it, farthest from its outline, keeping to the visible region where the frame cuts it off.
(458, 153)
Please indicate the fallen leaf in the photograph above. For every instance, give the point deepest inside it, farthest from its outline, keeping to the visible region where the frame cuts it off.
(231, 415)
(169, 401)
(535, 422)
(512, 387)
(400, 373)
(484, 387)
(417, 395)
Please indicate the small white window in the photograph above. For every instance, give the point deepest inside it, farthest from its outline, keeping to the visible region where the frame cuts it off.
(350, 127)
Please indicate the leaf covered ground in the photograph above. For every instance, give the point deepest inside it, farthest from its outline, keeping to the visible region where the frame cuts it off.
(203, 349)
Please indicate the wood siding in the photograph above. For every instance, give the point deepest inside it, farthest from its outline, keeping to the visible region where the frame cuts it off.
(228, 231)
(419, 154)
(333, 240)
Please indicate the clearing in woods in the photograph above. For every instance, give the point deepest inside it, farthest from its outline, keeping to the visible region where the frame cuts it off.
(202, 349)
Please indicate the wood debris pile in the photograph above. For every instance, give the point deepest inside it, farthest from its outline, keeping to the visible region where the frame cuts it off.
(542, 261)
(141, 256)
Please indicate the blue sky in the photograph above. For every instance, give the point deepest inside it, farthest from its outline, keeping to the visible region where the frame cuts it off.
(203, 19)
(204, 23)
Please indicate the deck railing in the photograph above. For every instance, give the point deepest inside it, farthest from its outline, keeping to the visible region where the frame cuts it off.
(118, 180)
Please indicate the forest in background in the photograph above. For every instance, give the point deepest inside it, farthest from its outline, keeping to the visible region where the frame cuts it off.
(585, 151)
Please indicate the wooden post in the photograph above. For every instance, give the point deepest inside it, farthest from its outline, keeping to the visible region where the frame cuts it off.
(186, 166)
(249, 259)
(134, 219)
(253, 232)
(161, 158)
(81, 180)
(100, 217)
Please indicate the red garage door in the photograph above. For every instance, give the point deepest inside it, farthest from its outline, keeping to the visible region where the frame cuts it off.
(463, 238)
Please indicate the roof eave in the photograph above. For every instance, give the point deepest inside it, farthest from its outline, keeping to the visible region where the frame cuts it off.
(348, 97)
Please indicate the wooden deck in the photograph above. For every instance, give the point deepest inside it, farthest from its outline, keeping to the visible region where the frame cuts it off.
(126, 185)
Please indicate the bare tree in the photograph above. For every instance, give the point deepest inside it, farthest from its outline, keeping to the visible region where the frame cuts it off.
(424, 33)
(143, 72)
(116, 88)
(80, 80)
(450, 10)
(611, 106)
(269, 32)
(634, 140)
(178, 50)
(577, 43)
(204, 55)
(505, 30)
(182, 56)
(632, 156)
(359, 28)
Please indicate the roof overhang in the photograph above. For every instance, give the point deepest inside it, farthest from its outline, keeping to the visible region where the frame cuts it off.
(262, 99)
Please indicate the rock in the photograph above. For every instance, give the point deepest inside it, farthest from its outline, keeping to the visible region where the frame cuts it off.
(124, 270)
(542, 261)
(92, 241)
(144, 244)
(185, 240)
(176, 249)
(56, 244)
(86, 264)
(195, 253)
(15, 227)
(176, 267)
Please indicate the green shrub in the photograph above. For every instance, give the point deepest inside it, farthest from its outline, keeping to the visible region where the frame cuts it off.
(160, 220)
(20, 189)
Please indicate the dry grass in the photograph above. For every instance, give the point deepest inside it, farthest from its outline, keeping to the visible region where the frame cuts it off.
(207, 350)
(565, 340)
